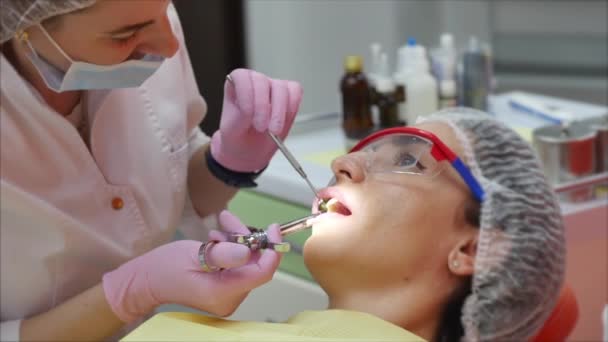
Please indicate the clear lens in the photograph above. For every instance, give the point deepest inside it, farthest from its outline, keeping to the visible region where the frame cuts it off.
(401, 153)
(332, 181)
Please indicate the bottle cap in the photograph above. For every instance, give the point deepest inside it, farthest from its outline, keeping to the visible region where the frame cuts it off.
(474, 44)
(376, 50)
(447, 88)
(446, 40)
(385, 85)
(353, 63)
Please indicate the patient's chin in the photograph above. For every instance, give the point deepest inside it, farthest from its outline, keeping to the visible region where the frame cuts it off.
(318, 245)
(327, 246)
(318, 258)
(330, 262)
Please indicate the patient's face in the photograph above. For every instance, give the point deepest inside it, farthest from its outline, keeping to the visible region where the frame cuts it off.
(400, 227)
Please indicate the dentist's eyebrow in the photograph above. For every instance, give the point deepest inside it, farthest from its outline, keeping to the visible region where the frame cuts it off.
(130, 28)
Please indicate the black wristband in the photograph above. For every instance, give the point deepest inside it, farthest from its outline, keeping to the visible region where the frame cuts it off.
(232, 178)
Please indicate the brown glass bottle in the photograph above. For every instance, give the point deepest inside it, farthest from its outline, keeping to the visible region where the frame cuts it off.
(356, 102)
(387, 102)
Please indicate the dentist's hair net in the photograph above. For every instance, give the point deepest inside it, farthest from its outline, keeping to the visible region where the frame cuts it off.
(520, 260)
(17, 15)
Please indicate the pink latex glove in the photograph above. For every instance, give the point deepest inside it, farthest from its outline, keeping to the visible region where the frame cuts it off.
(253, 105)
(172, 274)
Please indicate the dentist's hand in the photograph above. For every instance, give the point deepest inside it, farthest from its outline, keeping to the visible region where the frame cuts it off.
(172, 274)
(253, 105)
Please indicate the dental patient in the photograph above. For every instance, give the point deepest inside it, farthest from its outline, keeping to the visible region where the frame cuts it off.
(443, 231)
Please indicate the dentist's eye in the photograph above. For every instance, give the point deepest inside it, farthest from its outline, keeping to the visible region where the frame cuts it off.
(124, 38)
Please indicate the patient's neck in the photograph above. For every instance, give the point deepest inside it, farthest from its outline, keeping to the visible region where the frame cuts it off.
(410, 307)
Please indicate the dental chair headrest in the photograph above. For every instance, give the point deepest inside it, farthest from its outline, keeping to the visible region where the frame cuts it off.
(562, 320)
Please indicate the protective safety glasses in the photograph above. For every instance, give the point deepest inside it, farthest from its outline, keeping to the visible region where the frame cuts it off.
(409, 150)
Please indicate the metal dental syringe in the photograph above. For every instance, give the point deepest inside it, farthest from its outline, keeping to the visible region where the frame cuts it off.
(258, 239)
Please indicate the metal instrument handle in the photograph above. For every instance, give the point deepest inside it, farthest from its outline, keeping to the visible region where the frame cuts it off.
(294, 162)
(258, 239)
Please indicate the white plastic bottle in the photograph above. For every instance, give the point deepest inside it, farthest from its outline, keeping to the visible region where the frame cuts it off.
(444, 58)
(374, 71)
(420, 86)
(447, 94)
(443, 61)
(405, 55)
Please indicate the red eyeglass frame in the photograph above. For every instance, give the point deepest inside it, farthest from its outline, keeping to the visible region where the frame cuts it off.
(439, 151)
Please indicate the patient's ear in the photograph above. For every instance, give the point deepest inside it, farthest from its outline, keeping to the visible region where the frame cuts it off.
(461, 260)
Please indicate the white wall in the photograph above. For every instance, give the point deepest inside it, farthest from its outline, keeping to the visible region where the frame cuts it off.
(306, 40)
(563, 34)
(553, 17)
(466, 18)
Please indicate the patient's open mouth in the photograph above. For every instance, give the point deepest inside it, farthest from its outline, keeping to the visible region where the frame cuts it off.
(332, 205)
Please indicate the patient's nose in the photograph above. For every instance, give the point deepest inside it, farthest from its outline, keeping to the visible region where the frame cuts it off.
(349, 167)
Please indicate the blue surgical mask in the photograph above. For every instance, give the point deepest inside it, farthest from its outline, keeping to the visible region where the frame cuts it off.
(86, 76)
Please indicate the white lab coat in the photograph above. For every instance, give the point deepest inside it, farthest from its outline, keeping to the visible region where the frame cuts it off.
(62, 225)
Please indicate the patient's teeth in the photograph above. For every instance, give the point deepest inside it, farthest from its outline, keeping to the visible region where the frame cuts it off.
(322, 206)
(333, 205)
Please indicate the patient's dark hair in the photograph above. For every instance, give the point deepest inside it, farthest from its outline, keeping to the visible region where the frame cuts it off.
(450, 327)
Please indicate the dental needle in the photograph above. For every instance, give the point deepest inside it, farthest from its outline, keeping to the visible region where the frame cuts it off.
(298, 225)
(290, 158)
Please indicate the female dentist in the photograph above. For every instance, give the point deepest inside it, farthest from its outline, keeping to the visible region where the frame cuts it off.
(102, 159)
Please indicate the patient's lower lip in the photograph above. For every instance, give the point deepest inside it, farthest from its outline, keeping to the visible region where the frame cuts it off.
(329, 214)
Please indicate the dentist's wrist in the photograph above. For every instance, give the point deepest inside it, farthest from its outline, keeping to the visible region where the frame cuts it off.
(229, 177)
(127, 297)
